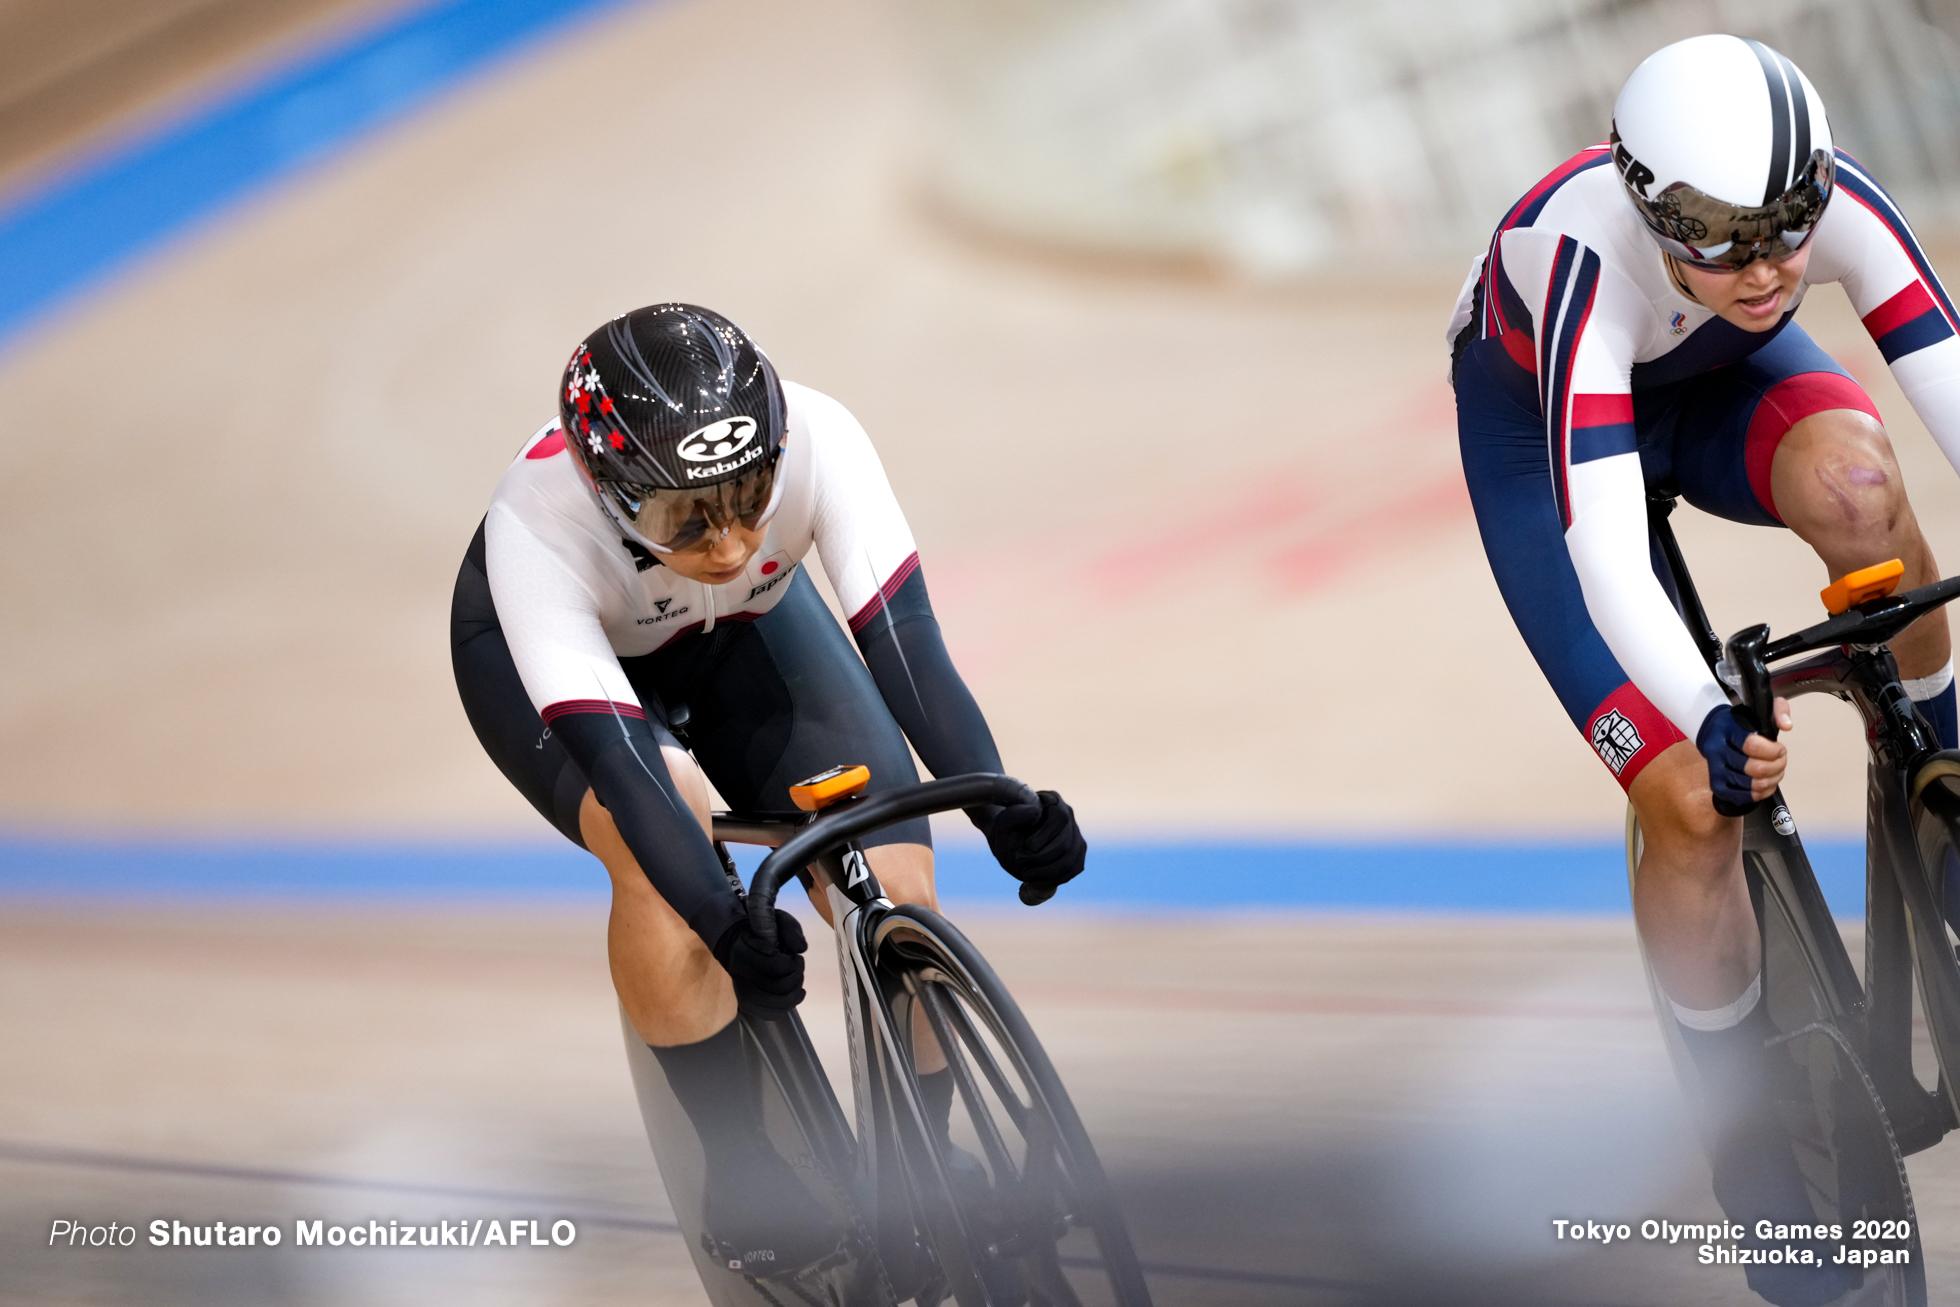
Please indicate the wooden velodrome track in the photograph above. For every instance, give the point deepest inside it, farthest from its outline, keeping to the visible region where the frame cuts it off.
(1201, 549)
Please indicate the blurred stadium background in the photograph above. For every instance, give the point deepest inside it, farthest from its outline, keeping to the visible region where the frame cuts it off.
(1142, 302)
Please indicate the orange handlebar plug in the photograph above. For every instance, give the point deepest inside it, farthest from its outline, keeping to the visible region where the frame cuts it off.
(827, 787)
(1862, 586)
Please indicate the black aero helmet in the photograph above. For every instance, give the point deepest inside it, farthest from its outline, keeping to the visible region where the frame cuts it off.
(677, 420)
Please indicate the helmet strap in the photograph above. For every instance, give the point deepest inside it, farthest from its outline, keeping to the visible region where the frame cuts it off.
(1674, 275)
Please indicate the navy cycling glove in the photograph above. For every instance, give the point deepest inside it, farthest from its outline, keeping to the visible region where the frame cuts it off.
(768, 977)
(1720, 741)
(1039, 844)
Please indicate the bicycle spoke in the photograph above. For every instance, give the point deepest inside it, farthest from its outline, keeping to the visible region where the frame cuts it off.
(1036, 1129)
(933, 1000)
(1004, 1079)
(1017, 1112)
(1046, 1168)
(1042, 1226)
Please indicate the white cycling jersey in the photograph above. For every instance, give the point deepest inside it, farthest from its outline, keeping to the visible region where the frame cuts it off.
(1580, 296)
(573, 597)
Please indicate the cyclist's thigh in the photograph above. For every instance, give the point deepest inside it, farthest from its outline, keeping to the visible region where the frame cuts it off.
(1732, 420)
(1507, 464)
(781, 698)
(508, 727)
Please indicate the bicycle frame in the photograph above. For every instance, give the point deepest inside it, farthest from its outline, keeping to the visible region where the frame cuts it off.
(1905, 933)
(823, 848)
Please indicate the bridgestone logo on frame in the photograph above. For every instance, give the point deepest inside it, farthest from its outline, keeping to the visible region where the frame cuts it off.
(1616, 740)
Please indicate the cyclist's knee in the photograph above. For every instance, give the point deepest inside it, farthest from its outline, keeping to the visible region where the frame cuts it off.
(601, 836)
(1671, 798)
(1836, 483)
(905, 873)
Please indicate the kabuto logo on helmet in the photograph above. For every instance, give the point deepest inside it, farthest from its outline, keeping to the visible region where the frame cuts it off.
(671, 397)
(717, 440)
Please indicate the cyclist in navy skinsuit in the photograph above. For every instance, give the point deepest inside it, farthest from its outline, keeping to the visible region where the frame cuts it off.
(1630, 326)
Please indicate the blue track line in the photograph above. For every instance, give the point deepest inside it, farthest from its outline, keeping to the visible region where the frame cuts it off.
(1392, 876)
(75, 229)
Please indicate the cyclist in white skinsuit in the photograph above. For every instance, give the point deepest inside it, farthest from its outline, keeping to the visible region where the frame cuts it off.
(643, 556)
(573, 601)
(1630, 328)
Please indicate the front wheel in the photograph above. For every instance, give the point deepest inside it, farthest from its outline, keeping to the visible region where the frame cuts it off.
(1935, 811)
(1014, 1201)
(1834, 1117)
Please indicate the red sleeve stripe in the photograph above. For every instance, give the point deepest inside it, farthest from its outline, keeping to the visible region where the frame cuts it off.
(606, 707)
(1602, 426)
(1907, 323)
(1628, 732)
(1852, 178)
(1899, 310)
(1601, 410)
(876, 604)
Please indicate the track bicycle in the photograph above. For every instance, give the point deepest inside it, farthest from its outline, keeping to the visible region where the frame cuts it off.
(1849, 1037)
(1013, 1208)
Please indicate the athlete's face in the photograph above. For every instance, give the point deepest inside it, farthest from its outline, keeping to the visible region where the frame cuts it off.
(1753, 298)
(717, 558)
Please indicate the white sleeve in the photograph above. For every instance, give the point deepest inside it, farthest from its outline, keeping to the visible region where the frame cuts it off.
(1465, 299)
(862, 536)
(550, 619)
(1864, 243)
(1594, 321)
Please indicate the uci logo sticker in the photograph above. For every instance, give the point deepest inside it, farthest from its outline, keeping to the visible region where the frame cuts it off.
(717, 440)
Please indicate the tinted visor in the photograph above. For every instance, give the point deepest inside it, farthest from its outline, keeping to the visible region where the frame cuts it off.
(1710, 233)
(676, 519)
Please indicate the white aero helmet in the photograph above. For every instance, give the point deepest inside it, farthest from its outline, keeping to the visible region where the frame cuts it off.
(1725, 151)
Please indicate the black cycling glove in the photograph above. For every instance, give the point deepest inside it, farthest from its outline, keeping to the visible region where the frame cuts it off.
(768, 977)
(1720, 741)
(1039, 844)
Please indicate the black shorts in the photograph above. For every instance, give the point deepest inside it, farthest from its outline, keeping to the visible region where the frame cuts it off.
(769, 701)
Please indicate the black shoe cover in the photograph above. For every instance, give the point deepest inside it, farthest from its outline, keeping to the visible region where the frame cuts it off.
(761, 1219)
(1760, 1103)
(982, 1208)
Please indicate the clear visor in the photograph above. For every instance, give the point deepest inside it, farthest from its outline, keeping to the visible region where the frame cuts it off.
(673, 520)
(1710, 233)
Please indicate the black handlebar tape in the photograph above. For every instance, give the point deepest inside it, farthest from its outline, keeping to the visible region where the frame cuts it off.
(1745, 655)
(828, 834)
(1036, 895)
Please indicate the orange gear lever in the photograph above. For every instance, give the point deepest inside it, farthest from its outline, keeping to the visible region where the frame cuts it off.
(827, 787)
(1862, 586)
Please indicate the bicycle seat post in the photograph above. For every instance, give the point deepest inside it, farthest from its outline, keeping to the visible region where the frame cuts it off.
(1660, 504)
